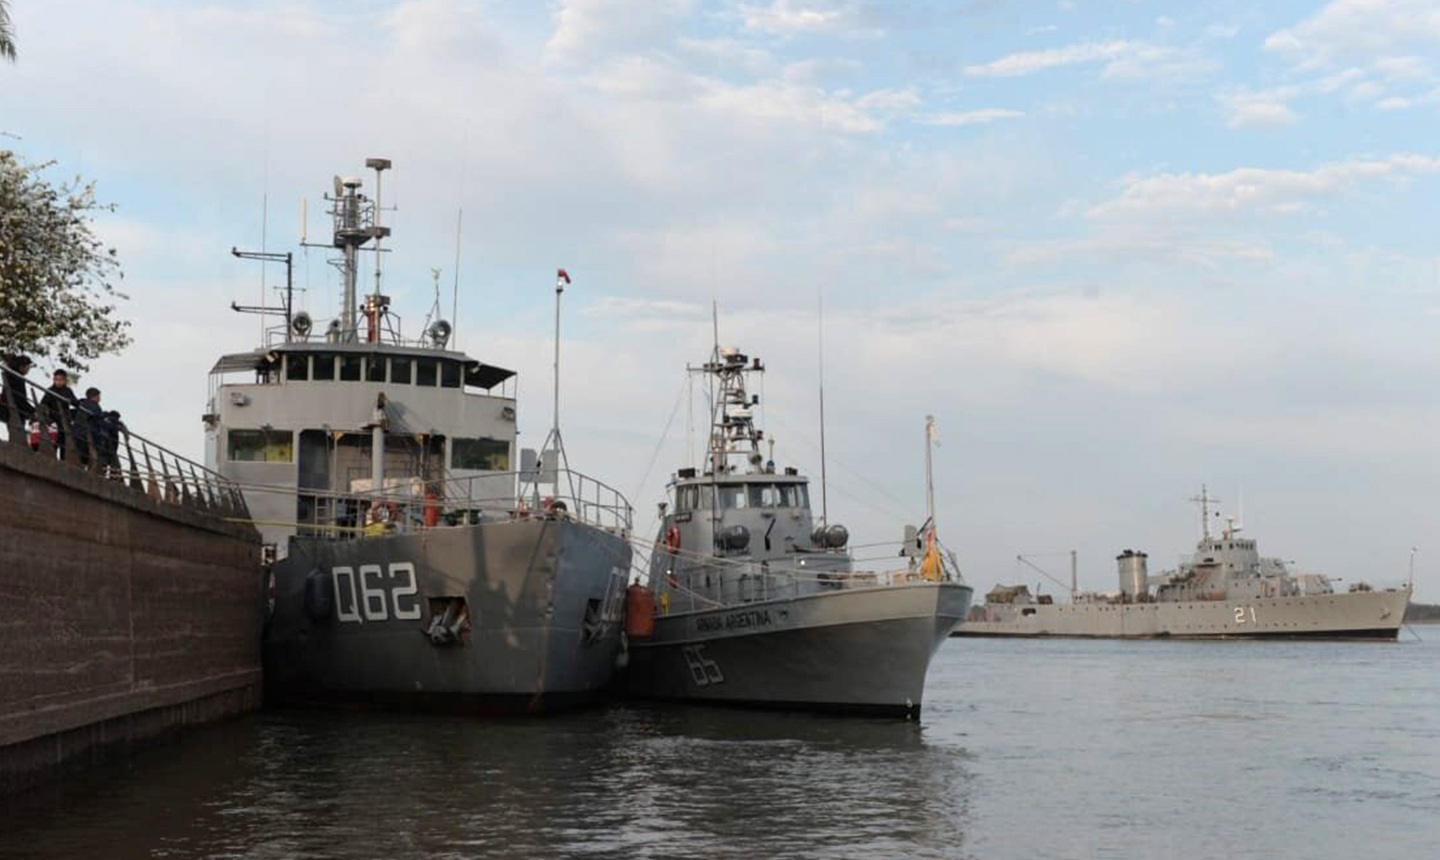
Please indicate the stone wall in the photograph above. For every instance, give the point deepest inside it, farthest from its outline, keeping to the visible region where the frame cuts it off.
(122, 618)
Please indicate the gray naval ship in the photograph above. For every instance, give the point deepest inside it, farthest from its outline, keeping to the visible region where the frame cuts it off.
(1226, 590)
(751, 602)
(413, 564)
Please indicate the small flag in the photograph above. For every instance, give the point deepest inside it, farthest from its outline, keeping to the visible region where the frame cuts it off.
(561, 277)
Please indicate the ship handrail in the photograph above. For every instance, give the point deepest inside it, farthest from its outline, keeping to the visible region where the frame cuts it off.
(791, 577)
(127, 458)
(839, 581)
(459, 500)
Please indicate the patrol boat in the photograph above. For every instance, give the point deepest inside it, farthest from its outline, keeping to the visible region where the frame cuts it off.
(413, 564)
(752, 602)
(1226, 590)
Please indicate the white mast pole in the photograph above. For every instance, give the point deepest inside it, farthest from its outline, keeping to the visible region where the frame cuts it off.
(455, 285)
(555, 413)
(929, 474)
(820, 350)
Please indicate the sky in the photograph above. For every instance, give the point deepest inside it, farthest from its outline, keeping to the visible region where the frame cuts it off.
(1118, 250)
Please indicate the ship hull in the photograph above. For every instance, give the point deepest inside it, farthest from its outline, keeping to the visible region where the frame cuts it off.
(352, 620)
(856, 651)
(1356, 615)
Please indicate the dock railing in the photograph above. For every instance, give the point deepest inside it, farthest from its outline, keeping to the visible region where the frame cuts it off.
(100, 444)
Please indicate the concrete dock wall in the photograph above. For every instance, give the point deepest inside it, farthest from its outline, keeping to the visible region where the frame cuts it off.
(122, 618)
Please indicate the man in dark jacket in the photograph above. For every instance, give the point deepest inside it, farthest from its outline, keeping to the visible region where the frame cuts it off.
(111, 429)
(89, 427)
(57, 409)
(15, 405)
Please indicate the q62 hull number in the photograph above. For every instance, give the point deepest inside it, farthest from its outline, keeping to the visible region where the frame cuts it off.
(375, 593)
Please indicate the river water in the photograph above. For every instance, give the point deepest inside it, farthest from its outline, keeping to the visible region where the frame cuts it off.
(1027, 749)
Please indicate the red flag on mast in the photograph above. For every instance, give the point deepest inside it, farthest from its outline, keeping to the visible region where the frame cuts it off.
(562, 275)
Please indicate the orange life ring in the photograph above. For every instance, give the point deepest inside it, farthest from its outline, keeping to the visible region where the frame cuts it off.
(672, 540)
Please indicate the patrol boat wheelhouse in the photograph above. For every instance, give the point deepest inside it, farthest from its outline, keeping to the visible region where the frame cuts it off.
(1227, 590)
(415, 565)
(751, 602)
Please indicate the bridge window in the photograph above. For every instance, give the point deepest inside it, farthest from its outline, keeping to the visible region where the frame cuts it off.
(425, 372)
(486, 455)
(350, 368)
(399, 371)
(733, 497)
(796, 496)
(261, 446)
(297, 367)
(324, 366)
(449, 374)
(375, 368)
(764, 496)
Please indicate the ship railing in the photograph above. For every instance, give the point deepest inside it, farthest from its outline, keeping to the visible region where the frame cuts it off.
(574, 495)
(698, 581)
(104, 446)
(405, 505)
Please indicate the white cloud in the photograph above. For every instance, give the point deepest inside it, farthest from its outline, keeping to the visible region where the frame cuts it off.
(1362, 29)
(889, 99)
(1252, 189)
(590, 28)
(1381, 45)
(1247, 108)
(790, 17)
(1030, 62)
(730, 55)
(983, 116)
(1159, 63)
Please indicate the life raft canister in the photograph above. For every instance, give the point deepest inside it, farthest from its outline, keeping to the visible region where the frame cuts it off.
(639, 612)
(672, 540)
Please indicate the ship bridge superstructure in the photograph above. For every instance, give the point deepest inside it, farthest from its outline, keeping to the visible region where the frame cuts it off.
(354, 406)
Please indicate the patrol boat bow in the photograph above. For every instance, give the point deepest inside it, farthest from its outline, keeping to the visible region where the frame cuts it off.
(415, 566)
(751, 602)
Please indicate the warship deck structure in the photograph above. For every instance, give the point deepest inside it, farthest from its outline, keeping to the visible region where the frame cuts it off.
(755, 603)
(412, 563)
(1225, 590)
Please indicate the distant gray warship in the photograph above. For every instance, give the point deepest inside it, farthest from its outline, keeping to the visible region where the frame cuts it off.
(414, 566)
(751, 602)
(1226, 590)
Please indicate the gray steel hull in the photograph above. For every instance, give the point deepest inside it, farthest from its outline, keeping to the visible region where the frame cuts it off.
(1354, 615)
(534, 590)
(862, 650)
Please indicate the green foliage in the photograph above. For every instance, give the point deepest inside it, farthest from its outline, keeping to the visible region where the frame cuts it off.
(7, 33)
(57, 279)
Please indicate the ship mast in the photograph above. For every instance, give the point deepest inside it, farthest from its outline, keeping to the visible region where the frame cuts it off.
(732, 417)
(1204, 500)
(930, 436)
(356, 221)
(553, 450)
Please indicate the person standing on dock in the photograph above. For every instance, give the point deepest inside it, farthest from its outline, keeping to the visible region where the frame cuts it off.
(89, 427)
(14, 396)
(57, 409)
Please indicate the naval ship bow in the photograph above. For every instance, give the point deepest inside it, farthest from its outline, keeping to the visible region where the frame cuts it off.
(413, 564)
(752, 602)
